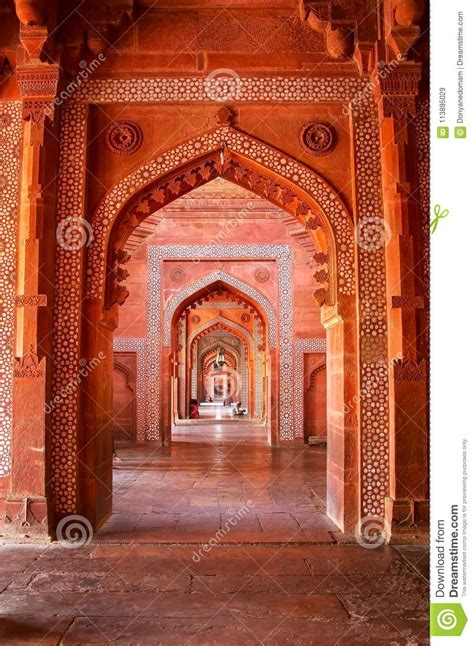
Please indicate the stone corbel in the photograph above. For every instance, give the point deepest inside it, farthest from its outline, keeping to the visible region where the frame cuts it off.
(338, 34)
(396, 91)
(36, 17)
(106, 29)
(38, 86)
(403, 20)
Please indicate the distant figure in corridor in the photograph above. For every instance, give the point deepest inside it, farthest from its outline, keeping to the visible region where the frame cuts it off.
(193, 409)
(238, 410)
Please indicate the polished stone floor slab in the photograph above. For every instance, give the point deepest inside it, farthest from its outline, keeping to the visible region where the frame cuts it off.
(179, 562)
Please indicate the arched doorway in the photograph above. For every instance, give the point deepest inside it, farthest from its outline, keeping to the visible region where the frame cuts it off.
(312, 202)
(217, 321)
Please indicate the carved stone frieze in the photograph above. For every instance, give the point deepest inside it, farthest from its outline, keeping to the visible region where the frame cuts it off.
(408, 301)
(29, 366)
(38, 300)
(25, 516)
(409, 370)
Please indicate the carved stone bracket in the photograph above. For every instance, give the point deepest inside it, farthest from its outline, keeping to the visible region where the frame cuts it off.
(38, 86)
(401, 25)
(338, 34)
(29, 366)
(409, 370)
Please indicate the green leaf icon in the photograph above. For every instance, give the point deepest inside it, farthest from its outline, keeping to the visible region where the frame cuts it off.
(447, 619)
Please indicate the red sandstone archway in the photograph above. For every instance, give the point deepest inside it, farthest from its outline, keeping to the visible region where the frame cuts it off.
(217, 323)
(309, 199)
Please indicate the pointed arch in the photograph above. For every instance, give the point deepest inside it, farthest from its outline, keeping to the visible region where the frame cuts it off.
(230, 281)
(250, 163)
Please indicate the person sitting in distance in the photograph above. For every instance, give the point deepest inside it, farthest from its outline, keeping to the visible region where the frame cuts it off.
(193, 409)
(238, 410)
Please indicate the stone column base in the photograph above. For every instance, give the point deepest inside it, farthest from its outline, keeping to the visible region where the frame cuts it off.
(408, 520)
(26, 519)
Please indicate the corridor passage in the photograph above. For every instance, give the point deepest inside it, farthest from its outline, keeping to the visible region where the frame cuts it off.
(218, 540)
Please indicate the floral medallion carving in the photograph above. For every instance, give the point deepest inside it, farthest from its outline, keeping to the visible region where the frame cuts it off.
(317, 138)
(124, 137)
(261, 275)
(178, 275)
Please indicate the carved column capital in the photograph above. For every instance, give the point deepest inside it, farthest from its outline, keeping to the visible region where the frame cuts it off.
(397, 88)
(38, 86)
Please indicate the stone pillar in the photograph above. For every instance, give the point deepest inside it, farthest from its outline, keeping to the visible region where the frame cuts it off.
(407, 501)
(273, 378)
(96, 438)
(167, 370)
(26, 509)
(343, 462)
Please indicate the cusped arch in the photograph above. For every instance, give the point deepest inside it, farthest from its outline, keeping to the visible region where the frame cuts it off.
(222, 323)
(213, 277)
(210, 356)
(279, 177)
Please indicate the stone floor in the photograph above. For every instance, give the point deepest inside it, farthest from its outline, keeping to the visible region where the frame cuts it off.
(218, 540)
